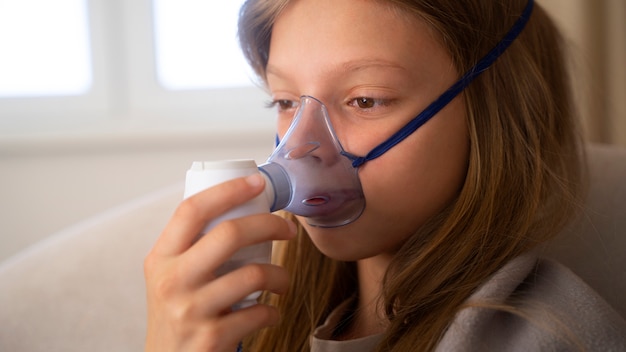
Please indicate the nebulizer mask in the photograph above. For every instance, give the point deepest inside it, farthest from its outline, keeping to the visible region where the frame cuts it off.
(311, 174)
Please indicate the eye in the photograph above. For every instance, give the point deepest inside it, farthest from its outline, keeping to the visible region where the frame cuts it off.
(367, 103)
(283, 105)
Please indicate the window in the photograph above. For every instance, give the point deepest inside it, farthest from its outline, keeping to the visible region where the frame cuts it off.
(45, 47)
(132, 65)
(189, 34)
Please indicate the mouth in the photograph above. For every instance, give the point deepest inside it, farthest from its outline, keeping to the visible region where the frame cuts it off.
(320, 204)
(316, 200)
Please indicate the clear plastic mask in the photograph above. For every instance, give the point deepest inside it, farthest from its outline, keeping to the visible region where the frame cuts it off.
(311, 173)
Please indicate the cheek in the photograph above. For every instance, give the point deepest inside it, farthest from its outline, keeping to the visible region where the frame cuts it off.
(282, 125)
(362, 136)
(421, 175)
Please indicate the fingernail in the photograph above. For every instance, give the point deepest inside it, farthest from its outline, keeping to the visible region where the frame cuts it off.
(255, 180)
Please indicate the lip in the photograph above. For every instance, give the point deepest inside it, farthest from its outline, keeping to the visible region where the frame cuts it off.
(316, 201)
(337, 213)
(321, 204)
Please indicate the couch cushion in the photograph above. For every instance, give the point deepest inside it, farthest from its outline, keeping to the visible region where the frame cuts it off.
(83, 288)
(594, 245)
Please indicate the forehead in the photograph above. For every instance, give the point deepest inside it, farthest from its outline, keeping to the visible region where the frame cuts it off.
(319, 32)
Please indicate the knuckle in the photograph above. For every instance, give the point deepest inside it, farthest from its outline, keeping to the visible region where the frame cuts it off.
(266, 315)
(213, 334)
(189, 207)
(255, 276)
(228, 232)
(159, 281)
(165, 288)
(181, 312)
(168, 285)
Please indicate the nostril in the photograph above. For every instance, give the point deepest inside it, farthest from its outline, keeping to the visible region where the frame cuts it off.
(302, 150)
(316, 201)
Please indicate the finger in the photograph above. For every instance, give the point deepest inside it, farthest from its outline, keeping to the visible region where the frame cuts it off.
(247, 321)
(195, 212)
(234, 287)
(223, 241)
(226, 333)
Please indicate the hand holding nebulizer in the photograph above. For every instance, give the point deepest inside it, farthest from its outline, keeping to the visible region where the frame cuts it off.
(308, 175)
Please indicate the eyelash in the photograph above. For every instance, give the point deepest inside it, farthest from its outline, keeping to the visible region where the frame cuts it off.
(281, 104)
(285, 105)
(377, 103)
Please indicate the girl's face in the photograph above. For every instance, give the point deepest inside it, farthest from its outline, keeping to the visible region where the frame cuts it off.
(375, 70)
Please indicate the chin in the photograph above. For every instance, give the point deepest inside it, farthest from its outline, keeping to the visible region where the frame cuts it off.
(344, 243)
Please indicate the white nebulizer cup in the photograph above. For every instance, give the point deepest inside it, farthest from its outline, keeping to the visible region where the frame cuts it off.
(203, 175)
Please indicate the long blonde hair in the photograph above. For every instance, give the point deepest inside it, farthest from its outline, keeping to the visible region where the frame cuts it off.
(523, 181)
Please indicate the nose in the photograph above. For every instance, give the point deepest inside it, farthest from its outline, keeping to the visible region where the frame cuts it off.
(303, 150)
(311, 134)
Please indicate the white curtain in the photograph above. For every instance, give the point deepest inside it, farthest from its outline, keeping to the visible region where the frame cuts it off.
(596, 31)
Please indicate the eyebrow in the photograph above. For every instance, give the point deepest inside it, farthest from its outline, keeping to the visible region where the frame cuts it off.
(362, 64)
(348, 66)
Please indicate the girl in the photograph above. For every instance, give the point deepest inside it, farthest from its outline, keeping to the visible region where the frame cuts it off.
(442, 256)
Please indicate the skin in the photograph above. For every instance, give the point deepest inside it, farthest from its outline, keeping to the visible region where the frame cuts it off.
(360, 49)
(347, 51)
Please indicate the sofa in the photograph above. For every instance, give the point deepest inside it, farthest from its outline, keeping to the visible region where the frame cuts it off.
(82, 289)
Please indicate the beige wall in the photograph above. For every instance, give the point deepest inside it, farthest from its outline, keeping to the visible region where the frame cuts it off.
(597, 34)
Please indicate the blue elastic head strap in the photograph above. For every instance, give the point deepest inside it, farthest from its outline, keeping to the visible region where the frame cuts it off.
(449, 94)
